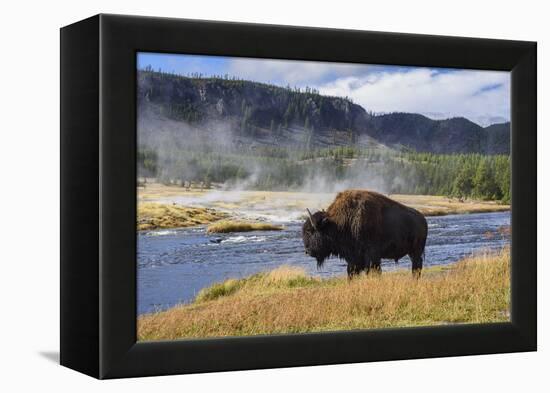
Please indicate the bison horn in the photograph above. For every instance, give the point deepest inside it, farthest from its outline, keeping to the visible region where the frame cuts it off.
(311, 219)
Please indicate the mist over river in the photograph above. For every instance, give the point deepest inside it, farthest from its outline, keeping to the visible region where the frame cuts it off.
(175, 264)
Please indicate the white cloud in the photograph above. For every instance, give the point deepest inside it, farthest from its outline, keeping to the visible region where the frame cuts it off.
(481, 96)
(292, 72)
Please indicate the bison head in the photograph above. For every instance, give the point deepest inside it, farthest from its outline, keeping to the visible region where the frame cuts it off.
(316, 236)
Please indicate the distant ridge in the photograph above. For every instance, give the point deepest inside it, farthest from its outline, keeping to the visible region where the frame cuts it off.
(263, 114)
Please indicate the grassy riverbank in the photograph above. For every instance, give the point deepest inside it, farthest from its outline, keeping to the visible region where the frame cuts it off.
(287, 300)
(227, 226)
(159, 216)
(435, 205)
(161, 206)
(430, 205)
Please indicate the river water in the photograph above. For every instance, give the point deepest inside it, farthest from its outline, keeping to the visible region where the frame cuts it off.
(174, 265)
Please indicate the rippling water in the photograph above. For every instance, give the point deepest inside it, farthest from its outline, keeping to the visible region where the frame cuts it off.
(174, 265)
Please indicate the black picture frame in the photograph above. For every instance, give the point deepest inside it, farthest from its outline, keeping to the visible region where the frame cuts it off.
(98, 196)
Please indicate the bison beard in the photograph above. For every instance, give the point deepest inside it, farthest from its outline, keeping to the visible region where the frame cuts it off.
(362, 227)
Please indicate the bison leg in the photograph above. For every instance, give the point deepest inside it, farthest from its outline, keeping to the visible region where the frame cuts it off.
(375, 266)
(353, 270)
(416, 265)
(367, 265)
(373, 262)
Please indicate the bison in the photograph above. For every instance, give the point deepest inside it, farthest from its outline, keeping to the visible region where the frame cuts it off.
(362, 227)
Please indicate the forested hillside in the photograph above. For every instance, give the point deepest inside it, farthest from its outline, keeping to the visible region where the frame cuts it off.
(241, 134)
(270, 115)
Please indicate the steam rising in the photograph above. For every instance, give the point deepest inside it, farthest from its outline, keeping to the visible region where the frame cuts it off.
(216, 151)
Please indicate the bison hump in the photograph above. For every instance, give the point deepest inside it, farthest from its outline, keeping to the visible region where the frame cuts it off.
(359, 211)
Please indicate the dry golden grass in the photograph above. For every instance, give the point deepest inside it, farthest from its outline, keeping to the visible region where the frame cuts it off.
(157, 215)
(284, 276)
(436, 205)
(429, 205)
(227, 226)
(154, 191)
(286, 300)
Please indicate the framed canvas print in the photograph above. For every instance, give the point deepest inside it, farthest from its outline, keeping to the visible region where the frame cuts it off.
(271, 196)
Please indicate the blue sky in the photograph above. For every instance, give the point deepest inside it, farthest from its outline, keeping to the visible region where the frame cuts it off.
(481, 96)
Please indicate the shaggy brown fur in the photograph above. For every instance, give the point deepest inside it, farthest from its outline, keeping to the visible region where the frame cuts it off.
(362, 227)
(360, 211)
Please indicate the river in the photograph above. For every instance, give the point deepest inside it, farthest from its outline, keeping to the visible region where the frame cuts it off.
(174, 265)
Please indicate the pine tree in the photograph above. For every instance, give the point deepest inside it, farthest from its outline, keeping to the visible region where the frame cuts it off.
(245, 121)
(484, 182)
(502, 176)
(287, 117)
